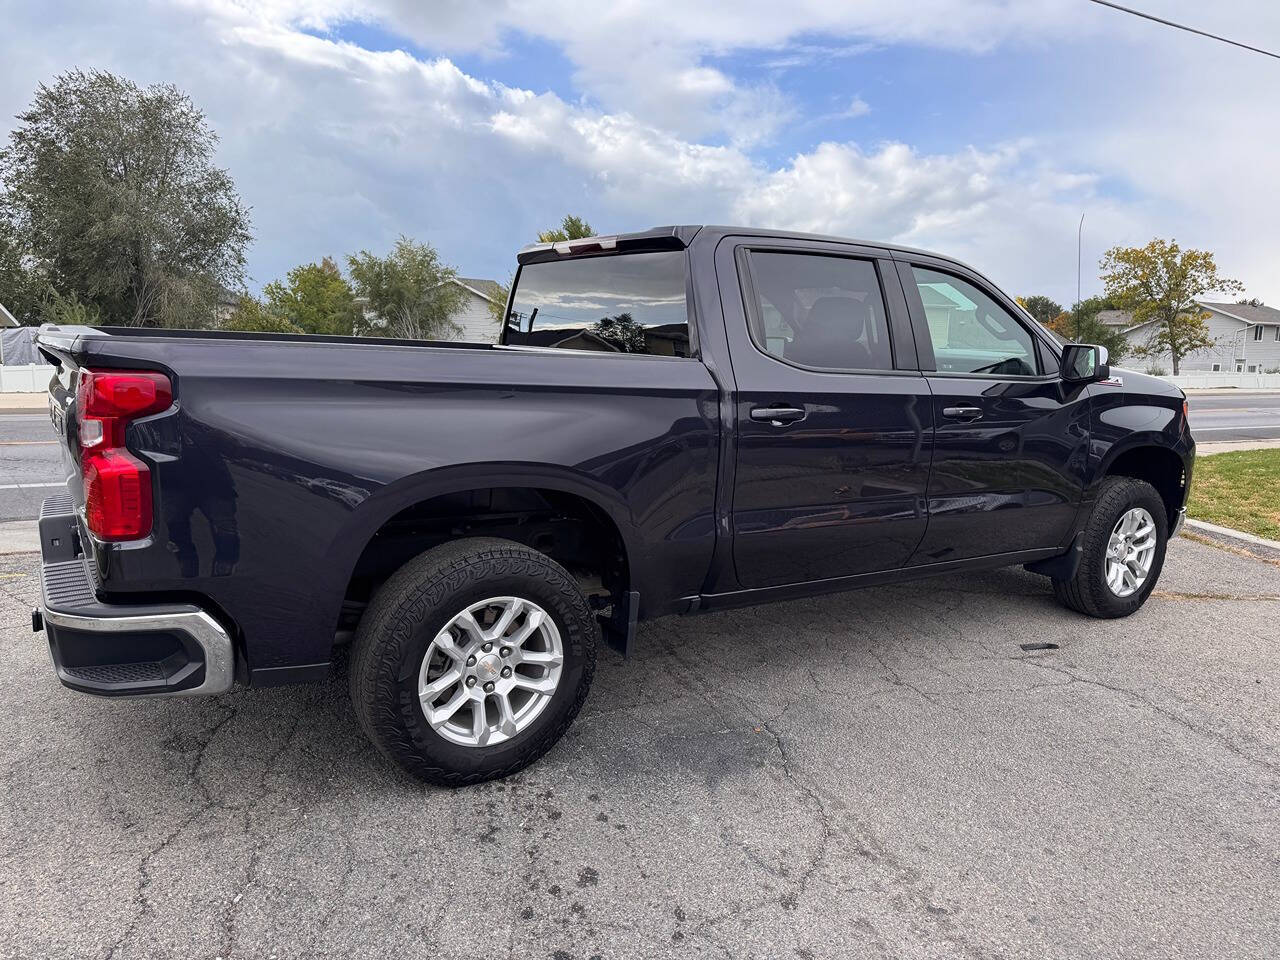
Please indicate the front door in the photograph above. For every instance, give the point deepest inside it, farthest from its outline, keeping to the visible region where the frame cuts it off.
(833, 420)
(1011, 438)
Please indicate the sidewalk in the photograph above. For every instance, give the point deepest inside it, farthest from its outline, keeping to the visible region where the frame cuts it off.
(24, 402)
(19, 536)
(1226, 446)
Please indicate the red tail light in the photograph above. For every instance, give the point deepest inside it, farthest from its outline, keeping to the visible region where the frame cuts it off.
(117, 485)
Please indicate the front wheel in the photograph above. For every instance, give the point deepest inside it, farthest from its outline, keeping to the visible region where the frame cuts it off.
(472, 660)
(1123, 551)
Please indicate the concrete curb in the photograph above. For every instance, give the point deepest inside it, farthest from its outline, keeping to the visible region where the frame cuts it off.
(1235, 541)
(1234, 534)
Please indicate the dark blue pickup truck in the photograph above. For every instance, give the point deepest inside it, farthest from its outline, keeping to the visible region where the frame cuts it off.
(679, 420)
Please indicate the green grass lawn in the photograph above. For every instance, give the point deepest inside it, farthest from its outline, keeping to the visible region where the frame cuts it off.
(1240, 490)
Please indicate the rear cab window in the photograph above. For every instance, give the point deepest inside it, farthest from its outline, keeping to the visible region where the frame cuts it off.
(627, 303)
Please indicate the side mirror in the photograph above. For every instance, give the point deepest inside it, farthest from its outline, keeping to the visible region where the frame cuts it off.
(1084, 363)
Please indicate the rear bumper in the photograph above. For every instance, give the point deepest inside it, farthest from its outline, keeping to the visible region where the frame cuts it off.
(118, 650)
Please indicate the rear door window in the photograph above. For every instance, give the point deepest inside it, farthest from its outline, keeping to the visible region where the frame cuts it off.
(630, 303)
(825, 312)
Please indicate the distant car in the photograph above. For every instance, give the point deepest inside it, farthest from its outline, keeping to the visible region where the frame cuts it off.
(680, 420)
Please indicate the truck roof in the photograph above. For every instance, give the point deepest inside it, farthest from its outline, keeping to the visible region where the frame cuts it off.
(677, 237)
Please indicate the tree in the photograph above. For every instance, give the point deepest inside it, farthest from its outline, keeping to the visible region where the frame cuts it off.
(571, 228)
(1081, 325)
(498, 305)
(409, 292)
(113, 190)
(252, 316)
(1042, 308)
(1161, 282)
(316, 299)
(622, 331)
(23, 287)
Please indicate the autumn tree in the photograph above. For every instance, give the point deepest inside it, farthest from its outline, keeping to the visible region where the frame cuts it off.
(112, 192)
(1041, 307)
(315, 298)
(1161, 282)
(1081, 325)
(408, 292)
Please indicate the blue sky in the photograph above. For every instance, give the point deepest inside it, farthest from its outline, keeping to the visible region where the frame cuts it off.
(983, 128)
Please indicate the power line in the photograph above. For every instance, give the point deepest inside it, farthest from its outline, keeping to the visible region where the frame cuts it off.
(1182, 26)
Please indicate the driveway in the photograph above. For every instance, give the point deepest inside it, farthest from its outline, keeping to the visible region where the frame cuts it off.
(884, 773)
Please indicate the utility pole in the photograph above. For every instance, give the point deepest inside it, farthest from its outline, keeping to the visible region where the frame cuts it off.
(1079, 247)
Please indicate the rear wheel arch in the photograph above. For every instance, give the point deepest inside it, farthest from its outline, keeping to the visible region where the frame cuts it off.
(580, 527)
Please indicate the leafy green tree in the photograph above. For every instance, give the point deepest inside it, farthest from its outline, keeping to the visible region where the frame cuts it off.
(113, 190)
(498, 305)
(316, 299)
(251, 315)
(1041, 307)
(23, 287)
(408, 292)
(571, 228)
(68, 311)
(1162, 282)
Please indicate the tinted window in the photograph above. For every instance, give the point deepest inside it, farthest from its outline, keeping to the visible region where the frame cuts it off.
(820, 311)
(971, 333)
(631, 303)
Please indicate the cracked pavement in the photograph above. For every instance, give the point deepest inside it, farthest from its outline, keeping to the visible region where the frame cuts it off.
(879, 773)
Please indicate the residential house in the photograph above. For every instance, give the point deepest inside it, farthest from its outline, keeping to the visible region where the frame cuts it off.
(475, 316)
(1246, 340)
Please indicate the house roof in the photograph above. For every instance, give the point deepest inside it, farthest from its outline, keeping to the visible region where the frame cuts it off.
(1244, 312)
(1115, 318)
(487, 289)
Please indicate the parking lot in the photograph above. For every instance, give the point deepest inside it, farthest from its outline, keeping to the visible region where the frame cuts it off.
(883, 773)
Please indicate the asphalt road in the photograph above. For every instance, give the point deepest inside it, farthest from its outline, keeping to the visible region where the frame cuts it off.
(884, 773)
(1247, 416)
(30, 464)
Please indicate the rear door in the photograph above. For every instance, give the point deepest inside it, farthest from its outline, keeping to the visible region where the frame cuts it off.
(1011, 438)
(832, 417)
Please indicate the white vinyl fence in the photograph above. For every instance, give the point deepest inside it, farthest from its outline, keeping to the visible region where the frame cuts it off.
(25, 377)
(1243, 381)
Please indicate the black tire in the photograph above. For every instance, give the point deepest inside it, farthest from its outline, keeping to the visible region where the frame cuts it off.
(1087, 592)
(413, 606)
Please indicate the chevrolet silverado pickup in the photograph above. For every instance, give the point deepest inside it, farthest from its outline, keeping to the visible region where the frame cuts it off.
(673, 421)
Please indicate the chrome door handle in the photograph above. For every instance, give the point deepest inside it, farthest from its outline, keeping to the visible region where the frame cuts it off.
(962, 413)
(776, 415)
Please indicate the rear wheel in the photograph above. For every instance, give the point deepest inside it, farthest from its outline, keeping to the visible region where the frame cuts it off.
(1123, 551)
(472, 660)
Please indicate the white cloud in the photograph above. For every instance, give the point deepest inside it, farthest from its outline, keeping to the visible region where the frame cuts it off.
(339, 147)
